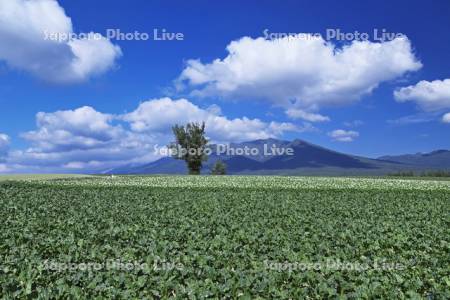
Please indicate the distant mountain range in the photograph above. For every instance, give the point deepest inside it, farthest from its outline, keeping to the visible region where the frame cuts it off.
(439, 159)
(307, 159)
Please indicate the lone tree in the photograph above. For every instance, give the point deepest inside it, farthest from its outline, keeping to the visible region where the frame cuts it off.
(219, 168)
(190, 144)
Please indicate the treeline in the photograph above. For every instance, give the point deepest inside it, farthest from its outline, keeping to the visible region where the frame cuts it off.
(437, 173)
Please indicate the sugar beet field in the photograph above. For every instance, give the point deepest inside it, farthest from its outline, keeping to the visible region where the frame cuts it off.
(225, 238)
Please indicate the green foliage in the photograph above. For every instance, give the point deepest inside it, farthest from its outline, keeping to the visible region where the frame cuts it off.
(436, 173)
(222, 230)
(190, 145)
(402, 174)
(39, 176)
(219, 168)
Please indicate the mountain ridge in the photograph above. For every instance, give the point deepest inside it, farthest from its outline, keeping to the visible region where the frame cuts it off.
(307, 159)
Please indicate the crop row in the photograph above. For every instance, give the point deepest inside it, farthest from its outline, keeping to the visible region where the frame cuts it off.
(256, 182)
(77, 240)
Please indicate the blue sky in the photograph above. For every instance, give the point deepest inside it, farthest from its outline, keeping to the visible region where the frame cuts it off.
(360, 114)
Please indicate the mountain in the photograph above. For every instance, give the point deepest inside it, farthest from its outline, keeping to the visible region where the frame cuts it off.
(165, 165)
(439, 159)
(306, 159)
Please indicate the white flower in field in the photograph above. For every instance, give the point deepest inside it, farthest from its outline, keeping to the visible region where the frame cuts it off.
(260, 182)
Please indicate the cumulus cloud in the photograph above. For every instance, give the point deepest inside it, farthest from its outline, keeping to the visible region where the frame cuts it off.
(341, 135)
(430, 96)
(87, 140)
(26, 28)
(446, 118)
(158, 115)
(82, 138)
(82, 128)
(304, 75)
(4, 168)
(4, 144)
(294, 113)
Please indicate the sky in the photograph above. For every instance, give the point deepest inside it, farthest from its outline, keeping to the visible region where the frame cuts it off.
(320, 71)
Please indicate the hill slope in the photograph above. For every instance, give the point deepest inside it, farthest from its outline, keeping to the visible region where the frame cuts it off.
(439, 159)
(307, 159)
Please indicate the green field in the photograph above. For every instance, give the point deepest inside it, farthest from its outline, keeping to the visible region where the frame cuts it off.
(224, 237)
(40, 176)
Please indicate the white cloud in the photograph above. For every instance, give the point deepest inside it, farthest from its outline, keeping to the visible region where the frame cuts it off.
(87, 140)
(4, 168)
(341, 135)
(295, 113)
(302, 74)
(422, 117)
(446, 118)
(83, 137)
(158, 115)
(24, 45)
(4, 144)
(82, 128)
(430, 96)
